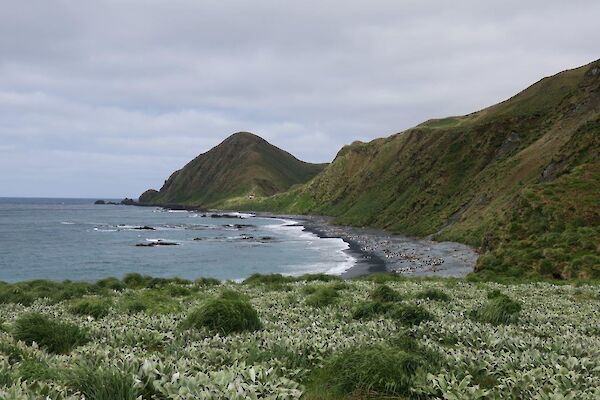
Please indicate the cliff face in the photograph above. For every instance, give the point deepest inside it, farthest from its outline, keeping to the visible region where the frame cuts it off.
(519, 179)
(244, 165)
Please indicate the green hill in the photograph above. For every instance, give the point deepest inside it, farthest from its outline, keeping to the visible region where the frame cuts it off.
(520, 180)
(242, 166)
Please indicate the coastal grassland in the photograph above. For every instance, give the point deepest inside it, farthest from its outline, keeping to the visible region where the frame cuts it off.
(381, 337)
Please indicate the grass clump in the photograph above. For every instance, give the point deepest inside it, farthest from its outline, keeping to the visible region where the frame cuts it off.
(226, 314)
(370, 309)
(97, 308)
(112, 283)
(384, 277)
(384, 294)
(433, 294)
(318, 278)
(103, 383)
(26, 293)
(148, 301)
(373, 371)
(322, 297)
(54, 335)
(267, 279)
(206, 282)
(410, 314)
(499, 310)
(289, 358)
(34, 370)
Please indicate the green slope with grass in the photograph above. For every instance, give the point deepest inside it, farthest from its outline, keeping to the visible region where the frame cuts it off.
(242, 165)
(520, 180)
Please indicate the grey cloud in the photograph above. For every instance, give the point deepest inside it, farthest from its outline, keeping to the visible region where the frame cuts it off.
(108, 97)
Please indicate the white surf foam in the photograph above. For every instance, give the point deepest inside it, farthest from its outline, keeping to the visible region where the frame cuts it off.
(294, 231)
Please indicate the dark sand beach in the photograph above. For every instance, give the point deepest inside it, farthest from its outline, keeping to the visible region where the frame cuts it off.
(377, 250)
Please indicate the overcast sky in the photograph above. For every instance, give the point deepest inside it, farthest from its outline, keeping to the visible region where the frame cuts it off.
(107, 98)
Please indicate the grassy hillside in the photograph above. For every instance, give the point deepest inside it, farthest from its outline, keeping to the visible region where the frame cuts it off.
(313, 337)
(243, 165)
(518, 177)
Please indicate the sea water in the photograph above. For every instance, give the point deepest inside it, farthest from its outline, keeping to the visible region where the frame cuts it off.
(74, 239)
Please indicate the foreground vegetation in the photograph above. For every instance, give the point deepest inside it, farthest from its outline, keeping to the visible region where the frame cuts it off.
(314, 337)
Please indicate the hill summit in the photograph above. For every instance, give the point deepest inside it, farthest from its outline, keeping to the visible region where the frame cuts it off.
(242, 166)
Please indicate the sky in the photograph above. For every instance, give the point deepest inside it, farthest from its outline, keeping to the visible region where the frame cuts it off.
(106, 98)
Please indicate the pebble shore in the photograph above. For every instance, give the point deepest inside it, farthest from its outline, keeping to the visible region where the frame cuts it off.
(378, 250)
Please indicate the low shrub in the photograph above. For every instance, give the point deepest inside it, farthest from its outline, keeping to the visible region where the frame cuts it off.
(384, 294)
(499, 310)
(409, 314)
(54, 335)
(224, 315)
(371, 371)
(322, 297)
(433, 294)
(97, 308)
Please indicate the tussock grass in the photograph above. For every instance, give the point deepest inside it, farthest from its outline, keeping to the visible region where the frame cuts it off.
(322, 297)
(103, 383)
(26, 293)
(148, 301)
(267, 279)
(370, 371)
(384, 277)
(53, 335)
(112, 283)
(97, 308)
(206, 282)
(227, 314)
(409, 314)
(384, 294)
(370, 309)
(433, 294)
(33, 370)
(499, 310)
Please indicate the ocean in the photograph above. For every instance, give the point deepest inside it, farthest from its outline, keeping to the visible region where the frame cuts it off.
(74, 239)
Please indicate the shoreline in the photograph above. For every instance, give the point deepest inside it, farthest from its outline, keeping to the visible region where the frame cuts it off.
(365, 263)
(376, 250)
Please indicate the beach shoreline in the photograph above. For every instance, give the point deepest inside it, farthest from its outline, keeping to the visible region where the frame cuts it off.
(377, 250)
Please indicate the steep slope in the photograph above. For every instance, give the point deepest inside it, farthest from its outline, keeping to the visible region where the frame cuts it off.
(242, 165)
(519, 179)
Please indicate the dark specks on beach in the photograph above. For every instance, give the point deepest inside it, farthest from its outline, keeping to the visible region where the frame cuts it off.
(378, 250)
